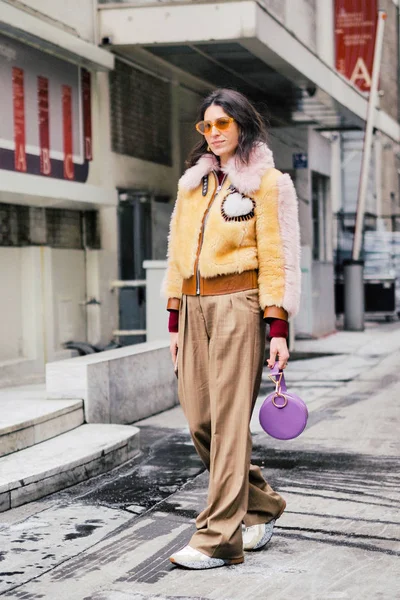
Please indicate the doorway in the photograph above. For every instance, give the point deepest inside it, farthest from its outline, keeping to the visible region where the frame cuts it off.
(135, 246)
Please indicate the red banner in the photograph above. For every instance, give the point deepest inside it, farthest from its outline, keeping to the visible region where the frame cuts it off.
(44, 127)
(355, 30)
(19, 119)
(67, 129)
(87, 113)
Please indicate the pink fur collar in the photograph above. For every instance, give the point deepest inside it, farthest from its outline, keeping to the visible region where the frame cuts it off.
(245, 178)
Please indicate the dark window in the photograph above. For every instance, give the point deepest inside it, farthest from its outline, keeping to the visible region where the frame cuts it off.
(14, 225)
(64, 228)
(140, 115)
(91, 230)
(58, 228)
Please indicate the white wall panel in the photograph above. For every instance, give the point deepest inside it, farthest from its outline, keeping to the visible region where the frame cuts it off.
(11, 338)
(68, 287)
(77, 15)
(301, 20)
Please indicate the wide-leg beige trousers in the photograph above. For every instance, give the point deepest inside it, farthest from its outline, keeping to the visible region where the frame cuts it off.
(220, 360)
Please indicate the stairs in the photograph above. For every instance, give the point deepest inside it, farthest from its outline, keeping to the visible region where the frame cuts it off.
(45, 445)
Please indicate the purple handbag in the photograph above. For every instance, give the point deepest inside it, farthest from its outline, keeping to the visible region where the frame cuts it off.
(283, 415)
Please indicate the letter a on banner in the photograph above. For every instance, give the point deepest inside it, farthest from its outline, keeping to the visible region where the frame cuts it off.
(361, 73)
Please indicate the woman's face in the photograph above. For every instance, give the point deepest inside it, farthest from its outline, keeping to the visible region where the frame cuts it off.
(222, 143)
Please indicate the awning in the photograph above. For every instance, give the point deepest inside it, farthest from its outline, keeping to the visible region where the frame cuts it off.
(36, 32)
(238, 43)
(34, 190)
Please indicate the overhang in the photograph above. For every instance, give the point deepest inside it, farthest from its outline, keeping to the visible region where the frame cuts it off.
(37, 32)
(226, 35)
(34, 190)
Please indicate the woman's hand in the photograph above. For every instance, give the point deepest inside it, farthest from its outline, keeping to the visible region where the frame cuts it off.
(278, 348)
(173, 346)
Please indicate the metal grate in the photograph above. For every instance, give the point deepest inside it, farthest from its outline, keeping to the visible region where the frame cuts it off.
(91, 229)
(14, 225)
(140, 114)
(64, 228)
(58, 228)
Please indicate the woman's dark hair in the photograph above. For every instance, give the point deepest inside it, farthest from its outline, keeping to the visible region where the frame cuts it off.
(252, 129)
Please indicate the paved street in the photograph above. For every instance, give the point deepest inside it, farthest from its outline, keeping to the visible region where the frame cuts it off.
(110, 538)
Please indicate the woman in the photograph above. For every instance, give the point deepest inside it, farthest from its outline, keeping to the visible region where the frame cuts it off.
(233, 264)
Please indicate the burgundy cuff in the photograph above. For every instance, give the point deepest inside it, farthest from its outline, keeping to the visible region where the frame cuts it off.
(278, 328)
(173, 321)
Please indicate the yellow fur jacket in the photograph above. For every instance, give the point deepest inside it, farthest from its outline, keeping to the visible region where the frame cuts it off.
(252, 224)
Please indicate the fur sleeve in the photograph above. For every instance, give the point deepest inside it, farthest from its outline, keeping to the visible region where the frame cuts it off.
(290, 235)
(278, 244)
(172, 283)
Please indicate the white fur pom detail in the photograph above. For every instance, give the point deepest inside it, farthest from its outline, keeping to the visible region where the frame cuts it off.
(236, 205)
(193, 176)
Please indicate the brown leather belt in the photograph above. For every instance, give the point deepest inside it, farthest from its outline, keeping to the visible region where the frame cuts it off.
(222, 284)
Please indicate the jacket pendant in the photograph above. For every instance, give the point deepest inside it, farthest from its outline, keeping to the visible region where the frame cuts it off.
(205, 185)
(237, 207)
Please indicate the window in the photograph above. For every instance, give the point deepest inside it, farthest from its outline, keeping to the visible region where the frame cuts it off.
(140, 114)
(319, 188)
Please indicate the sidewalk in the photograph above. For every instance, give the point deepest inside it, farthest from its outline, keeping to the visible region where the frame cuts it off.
(338, 539)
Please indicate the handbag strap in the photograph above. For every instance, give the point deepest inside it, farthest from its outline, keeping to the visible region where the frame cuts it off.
(276, 375)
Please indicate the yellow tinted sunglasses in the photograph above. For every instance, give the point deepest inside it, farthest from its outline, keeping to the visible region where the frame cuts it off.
(205, 127)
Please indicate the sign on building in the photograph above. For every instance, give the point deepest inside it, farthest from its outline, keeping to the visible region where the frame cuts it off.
(300, 161)
(355, 30)
(45, 113)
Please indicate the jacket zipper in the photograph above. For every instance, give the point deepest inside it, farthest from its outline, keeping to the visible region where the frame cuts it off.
(218, 189)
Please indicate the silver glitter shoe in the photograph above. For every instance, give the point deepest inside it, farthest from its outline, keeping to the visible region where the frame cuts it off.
(190, 558)
(258, 536)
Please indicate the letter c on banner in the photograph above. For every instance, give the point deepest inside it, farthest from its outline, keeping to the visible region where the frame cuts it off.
(69, 167)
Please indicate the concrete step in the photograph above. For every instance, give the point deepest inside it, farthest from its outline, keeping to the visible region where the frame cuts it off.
(64, 461)
(27, 417)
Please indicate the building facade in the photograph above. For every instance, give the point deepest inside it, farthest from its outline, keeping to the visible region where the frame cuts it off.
(58, 206)
(284, 57)
(73, 241)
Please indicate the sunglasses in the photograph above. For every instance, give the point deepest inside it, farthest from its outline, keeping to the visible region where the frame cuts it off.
(205, 127)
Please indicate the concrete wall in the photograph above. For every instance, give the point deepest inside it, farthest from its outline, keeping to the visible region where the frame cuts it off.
(319, 157)
(11, 339)
(117, 386)
(65, 280)
(43, 306)
(276, 8)
(320, 161)
(325, 40)
(390, 61)
(390, 168)
(302, 21)
(102, 318)
(323, 305)
(352, 145)
(33, 317)
(76, 16)
(156, 313)
(284, 142)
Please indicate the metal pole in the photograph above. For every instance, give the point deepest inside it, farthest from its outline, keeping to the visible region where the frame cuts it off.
(362, 188)
(353, 270)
